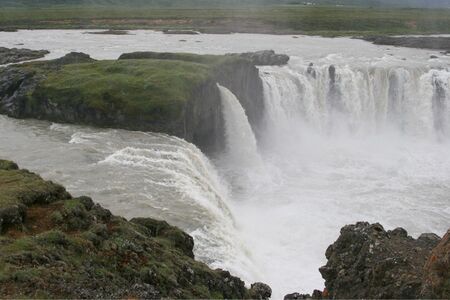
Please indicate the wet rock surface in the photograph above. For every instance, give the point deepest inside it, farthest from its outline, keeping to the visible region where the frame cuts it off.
(421, 42)
(14, 55)
(58, 246)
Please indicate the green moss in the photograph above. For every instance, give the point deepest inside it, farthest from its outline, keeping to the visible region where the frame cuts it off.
(25, 275)
(19, 245)
(147, 89)
(72, 203)
(8, 165)
(57, 217)
(21, 186)
(103, 257)
(53, 238)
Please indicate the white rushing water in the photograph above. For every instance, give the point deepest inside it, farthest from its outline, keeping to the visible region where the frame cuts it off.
(369, 143)
(366, 144)
(241, 160)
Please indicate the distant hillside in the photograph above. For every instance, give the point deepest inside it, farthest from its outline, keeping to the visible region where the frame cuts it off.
(226, 3)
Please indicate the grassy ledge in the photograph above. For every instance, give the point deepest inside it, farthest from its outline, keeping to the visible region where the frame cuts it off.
(55, 246)
(160, 92)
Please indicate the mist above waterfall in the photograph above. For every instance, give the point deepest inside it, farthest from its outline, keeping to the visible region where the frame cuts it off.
(343, 144)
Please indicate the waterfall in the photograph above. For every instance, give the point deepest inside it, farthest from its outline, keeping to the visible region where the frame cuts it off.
(358, 100)
(350, 142)
(241, 142)
(241, 163)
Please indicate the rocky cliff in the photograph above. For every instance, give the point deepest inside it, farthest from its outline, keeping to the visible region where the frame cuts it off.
(368, 262)
(161, 92)
(14, 55)
(55, 246)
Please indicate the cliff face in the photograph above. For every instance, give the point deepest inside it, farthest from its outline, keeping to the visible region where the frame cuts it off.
(14, 55)
(368, 262)
(241, 77)
(55, 246)
(170, 93)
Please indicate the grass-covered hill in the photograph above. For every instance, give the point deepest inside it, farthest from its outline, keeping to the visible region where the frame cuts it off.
(55, 246)
(160, 92)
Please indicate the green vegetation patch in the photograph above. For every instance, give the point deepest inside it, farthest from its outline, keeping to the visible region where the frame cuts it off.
(146, 89)
(23, 187)
(74, 248)
(325, 20)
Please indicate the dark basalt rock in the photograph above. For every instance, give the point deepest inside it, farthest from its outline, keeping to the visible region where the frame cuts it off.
(421, 42)
(311, 71)
(261, 291)
(15, 85)
(296, 296)
(6, 29)
(436, 272)
(368, 262)
(171, 31)
(73, 58)
(110, 32)
(266, 58)
(15, 55)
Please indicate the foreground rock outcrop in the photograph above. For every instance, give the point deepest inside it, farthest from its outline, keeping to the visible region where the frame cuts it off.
(55, 246)
(14, 55)
(368, 262)
(160, 92)
(436, 273)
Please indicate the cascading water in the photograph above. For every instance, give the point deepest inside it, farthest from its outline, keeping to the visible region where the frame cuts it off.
(363, 100)
(136, 174)
(346, 145)
(241, 161)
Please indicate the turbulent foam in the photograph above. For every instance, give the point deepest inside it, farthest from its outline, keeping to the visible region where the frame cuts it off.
(347, 144)
(137, 174)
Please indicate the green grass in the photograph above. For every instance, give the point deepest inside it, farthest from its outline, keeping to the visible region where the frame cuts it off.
(323, 20)
(24, 187)
(149, 89)
(108, 256)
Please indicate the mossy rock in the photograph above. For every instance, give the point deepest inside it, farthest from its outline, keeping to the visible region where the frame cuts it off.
(172, 93)
(72, 248)
(8, 165)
